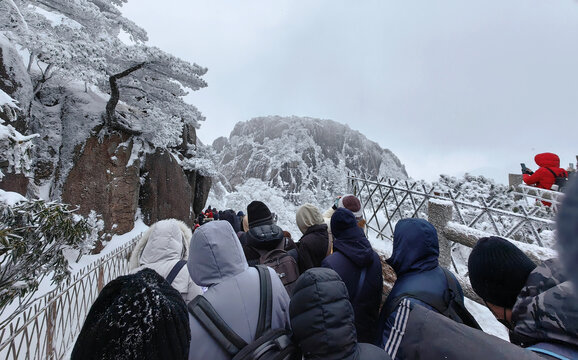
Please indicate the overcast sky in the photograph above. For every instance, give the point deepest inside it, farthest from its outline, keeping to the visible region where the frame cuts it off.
(449, 86)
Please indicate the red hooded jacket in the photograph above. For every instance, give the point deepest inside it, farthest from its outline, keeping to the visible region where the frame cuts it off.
(543, 178)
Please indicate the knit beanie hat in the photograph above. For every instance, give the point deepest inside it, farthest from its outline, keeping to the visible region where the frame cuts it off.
(138, 316)
(307, 216)
(498, 270)
(567, 230)
(344, 226)
(352, 203)
(259, 214)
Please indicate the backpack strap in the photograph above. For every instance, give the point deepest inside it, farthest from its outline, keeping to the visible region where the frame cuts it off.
(359, 283)
(450, 303)
(265, 301)
(211, 321)
(553, 173)
(175, 270)
(555, 350)
(456, 303)
(202, 310)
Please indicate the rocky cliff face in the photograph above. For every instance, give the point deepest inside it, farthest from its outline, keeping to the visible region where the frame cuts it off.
(301, 156)
(78, 161)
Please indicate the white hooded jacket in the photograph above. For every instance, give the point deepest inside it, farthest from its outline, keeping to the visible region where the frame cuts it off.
(160, 248)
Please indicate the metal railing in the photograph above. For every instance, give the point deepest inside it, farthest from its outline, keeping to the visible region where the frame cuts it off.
(457, 221)
(387, 201)
(48, 327)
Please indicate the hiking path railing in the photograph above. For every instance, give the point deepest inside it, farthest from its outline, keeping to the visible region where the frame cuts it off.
(456, 219)
(48, 327)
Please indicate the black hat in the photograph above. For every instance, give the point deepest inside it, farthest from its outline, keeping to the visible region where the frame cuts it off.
(138, 316)
(259, 214)
(498, 270)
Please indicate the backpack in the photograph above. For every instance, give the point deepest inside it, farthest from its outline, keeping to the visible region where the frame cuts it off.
(451, 306)
(268, 344)
(284, 265)
(560, 180)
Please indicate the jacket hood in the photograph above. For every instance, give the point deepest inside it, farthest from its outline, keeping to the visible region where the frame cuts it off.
(547, 307)
(265, 237)
(215, 254)
(547, 160)
(165, 240)
(415, 247)
(307, 216)
(349, 239)
(322, 317)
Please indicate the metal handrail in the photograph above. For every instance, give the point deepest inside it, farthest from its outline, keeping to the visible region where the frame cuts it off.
(47, 327)
(398, 195)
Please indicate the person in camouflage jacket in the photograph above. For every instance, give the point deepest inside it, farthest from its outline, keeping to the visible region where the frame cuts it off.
(546, 310)
(537, 304)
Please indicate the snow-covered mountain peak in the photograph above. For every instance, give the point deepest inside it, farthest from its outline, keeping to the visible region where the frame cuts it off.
(307, 159)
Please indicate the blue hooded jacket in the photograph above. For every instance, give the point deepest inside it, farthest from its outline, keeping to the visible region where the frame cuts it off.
(352, 253)
(415, 261)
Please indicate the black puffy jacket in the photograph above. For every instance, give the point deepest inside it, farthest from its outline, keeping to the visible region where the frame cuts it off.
(322, 319)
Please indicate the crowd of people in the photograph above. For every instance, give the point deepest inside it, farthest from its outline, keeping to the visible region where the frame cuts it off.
(206, 294)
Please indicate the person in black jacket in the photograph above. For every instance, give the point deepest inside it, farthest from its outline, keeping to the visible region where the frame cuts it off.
(313, 245)
(415, 261)
(360, 269)
(263, 235)
(322, 319)
(138, 316)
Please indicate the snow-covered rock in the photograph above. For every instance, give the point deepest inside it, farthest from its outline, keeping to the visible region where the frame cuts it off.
(306, 159)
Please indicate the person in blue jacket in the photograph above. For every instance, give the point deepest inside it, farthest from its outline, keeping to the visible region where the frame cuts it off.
(415, 261)
(359, 267)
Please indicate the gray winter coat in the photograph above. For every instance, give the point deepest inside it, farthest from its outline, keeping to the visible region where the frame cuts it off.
(160, 248)
(217, 261)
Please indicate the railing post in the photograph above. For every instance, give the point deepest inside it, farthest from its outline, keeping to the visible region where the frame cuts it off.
(514, 181)
(50, 327)
(439, 214)
(100, 282)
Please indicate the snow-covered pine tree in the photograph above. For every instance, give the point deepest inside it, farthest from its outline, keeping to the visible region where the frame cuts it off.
(14, 147)
(33, 236)
(79, 40)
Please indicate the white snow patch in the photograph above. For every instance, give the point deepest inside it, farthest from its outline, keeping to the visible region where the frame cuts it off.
(441, 202)
(56, 19)
(487, 320)
(6, 99)
(10, 198)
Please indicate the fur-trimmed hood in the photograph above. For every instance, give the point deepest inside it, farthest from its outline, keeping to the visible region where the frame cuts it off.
(164, 244)
(165, 231)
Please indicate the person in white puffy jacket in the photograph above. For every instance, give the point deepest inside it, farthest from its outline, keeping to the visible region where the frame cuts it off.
(160, 248)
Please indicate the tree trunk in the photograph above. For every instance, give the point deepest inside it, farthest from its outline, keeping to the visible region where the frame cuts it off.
(115, 94)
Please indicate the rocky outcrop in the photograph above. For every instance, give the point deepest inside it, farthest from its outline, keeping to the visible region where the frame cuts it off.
(165, 193)
(14, 81)
(105, 180)
(14, 182)
(77, 161)
(202, 188)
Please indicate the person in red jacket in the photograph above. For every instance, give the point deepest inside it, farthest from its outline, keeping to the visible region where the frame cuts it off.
(546, 175)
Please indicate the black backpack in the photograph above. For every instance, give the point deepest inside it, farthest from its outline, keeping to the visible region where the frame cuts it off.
(268, 344)
(560, 180)
(451, 306)
(284, 265)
